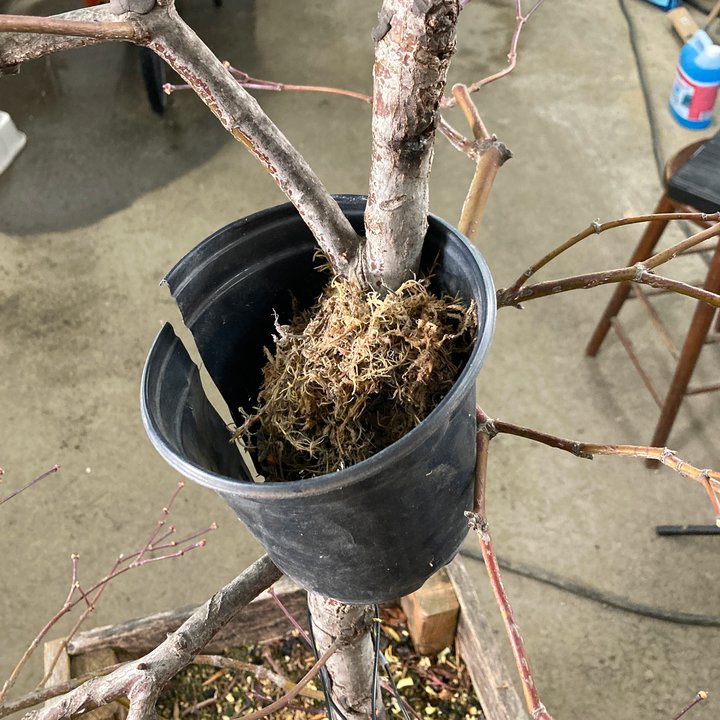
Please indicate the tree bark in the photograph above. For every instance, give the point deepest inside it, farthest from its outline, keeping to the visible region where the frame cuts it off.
(415, 40)
(351, 668)
(142, 681)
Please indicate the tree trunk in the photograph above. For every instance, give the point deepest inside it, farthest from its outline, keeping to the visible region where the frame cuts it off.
(415, 40)
(351, 667)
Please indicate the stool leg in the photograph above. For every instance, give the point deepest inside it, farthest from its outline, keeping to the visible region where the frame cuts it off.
(642, 252)
(702, 319)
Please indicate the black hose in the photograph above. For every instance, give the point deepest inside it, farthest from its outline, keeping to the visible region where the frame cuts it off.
(600, 596)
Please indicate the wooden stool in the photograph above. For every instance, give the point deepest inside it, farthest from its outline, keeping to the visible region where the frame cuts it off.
(701, 323)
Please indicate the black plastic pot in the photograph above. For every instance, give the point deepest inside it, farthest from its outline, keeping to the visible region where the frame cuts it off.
(371, 532)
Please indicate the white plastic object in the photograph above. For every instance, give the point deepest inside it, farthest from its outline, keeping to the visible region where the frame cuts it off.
(12, 141)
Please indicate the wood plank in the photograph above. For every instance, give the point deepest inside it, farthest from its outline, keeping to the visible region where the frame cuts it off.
(261, 620)
(432, 613)
(480, 651)
(91, 662)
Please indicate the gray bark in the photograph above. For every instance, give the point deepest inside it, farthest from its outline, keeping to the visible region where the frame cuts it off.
(351, 666)
(142, 681)
(415, 40)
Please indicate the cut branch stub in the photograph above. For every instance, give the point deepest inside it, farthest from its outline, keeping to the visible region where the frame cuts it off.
(415, 41)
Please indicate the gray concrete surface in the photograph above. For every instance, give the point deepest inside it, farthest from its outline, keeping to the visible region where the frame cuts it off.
(107, 196)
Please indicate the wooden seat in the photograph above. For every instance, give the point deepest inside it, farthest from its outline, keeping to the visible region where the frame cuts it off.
(699, 333)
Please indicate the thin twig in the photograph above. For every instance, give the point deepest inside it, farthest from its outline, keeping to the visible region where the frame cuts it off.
(708, 479)
(596, 228)
(259, 671)
(472, 115)
(252, 83)
(92, 595)
(72, 28)
(457, 139)
(161, 522)
(520, 21)
(40, 477)
(289, 616)
(702, 695)
(477, 521)
(285, 699)
(640, 272)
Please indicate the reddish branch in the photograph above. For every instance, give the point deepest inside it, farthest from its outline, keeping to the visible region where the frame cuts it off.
(414, 43)
(477, 520)
(702, 695)
(520, 20)
(113, 30)
(40, 477)
(708, 479)
(89, 596)
(288, 697)
(596, 228)
(17, 46)
(642, 272)
(142, 681)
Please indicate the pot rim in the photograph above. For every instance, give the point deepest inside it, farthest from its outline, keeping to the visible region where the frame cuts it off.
(375, 464)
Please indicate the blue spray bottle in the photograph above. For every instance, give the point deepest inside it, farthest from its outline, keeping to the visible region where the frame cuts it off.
(696, 82)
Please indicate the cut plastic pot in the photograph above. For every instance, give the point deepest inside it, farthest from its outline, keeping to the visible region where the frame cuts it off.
(371, 532)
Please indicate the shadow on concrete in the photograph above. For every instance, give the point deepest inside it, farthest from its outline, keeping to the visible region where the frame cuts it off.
(95, 98)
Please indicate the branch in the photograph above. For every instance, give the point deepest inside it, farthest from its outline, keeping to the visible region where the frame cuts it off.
(142, 681)
(48, 693)
(90, 597)
(40, 477)
(596, 228)
(477, 521)
(285, 699)
(24, 38)
(520, 21)
(164, 32)
(640, 272)
(260, 671)
(702, 695)
(414, 44)
(709, 479)
(240, 114)
(115, 30)
(352, 668)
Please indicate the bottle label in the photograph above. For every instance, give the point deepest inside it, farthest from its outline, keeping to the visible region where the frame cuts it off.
(692, 100)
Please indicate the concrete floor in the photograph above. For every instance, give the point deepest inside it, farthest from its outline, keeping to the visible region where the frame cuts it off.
(107, 196)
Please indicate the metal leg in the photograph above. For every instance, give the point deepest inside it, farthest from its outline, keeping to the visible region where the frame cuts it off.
(702, 319)
(664, 530)
(642, 252)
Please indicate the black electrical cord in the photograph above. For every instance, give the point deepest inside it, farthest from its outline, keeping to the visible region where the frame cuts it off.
(600, 596)
(401, 703)
(645, 87)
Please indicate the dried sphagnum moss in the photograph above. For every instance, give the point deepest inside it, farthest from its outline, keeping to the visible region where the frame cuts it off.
(355, 373)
